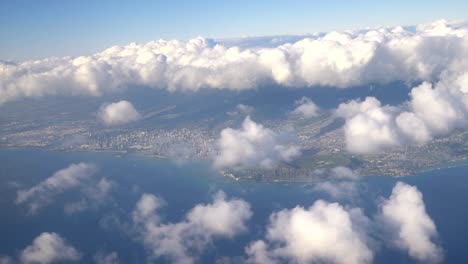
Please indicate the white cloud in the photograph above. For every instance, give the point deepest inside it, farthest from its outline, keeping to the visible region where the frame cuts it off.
(323, 233)
(436, 107)
(413, 127)
(369, 127)
(226, 218)
(118, 113)
(340, 59)
(306, 107)
(433, 110)
(182, 242)
(338, 190)
(433, 54)
(440, 108)
(94, 196)
(252, 146)
(64, 179)
(258, 253)
(49, 248)
(340, 183)
(330, 233)
(414, 229)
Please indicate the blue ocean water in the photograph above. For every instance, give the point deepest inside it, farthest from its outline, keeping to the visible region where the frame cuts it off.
(445, 192)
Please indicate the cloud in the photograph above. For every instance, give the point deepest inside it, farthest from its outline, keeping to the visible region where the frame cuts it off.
(102, 258)
(441, 108)
(245, 109)
(182, 242)
(431, 54)
(180, 153)
(338, 59)
(252, 146)
(323, 233)
(413, 229)
(43, 193)
(338, 190)
(369, 127)
(330, 233)
(242, 109)
(305, 107)
(258, 253)
(340, 183)
(437, 106)
(118, 113)
(433, 110)
(49, 248)
(93, 197)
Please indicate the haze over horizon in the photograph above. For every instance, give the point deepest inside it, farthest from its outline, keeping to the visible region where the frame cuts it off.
(35, 30)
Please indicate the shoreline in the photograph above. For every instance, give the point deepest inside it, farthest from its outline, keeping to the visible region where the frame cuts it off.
(233, 178)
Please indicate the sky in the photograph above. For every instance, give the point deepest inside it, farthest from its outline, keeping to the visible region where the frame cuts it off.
(39, 29)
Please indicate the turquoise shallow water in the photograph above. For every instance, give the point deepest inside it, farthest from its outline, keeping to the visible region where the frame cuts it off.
(445, 192)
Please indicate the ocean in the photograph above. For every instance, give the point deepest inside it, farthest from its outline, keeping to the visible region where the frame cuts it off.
(104, 228)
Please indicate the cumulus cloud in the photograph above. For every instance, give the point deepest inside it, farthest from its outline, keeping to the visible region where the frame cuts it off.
(182, 242)
(369, 126)
(414, 229)
(258, 253)
(305, 107)
(339, 59)
(433, 110)
(118, 113)
(439, 109)
(49, 248)
(431, 54)
(330, 233)
(252, 145)
(322, 233)
(43, 193)
(437, 106)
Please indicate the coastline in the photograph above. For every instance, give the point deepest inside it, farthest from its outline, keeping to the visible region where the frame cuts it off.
(229, 176)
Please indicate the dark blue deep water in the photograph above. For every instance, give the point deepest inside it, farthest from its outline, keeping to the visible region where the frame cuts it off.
(445, 194)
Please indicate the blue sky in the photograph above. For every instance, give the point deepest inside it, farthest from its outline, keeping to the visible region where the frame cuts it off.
(37, 29)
